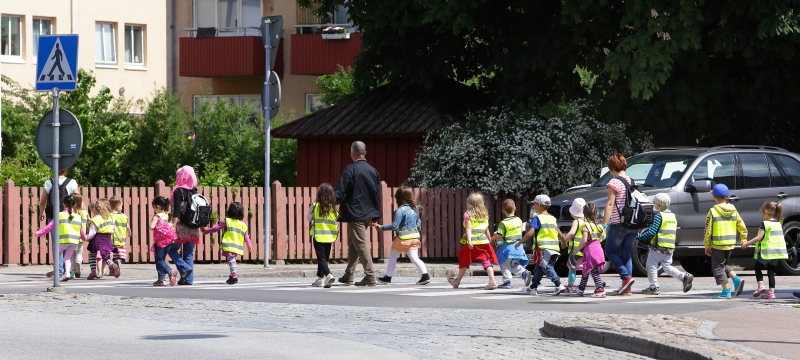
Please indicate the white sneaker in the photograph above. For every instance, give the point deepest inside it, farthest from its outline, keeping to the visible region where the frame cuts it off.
(328, 281)
(534, 292)
(317, 283)
(558, 290)
(527, 290)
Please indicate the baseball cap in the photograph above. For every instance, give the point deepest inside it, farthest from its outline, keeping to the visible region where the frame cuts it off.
(720, 190)
(577, 207)
(542, 199)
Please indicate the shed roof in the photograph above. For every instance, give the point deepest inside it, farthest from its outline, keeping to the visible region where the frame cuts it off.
(386, 111)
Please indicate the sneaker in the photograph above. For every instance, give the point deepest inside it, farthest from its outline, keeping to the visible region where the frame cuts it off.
(579, 292)
(424, 280)
(760, 291)
(49, 274)
(652, 290)
(114, 270)
(366, 282)
(533, 292)
(626, 286)
(385, 280)
(558, 289)
(173, 277)
(527, 290)
(159, 282)
(725, 294)
(505, 285)
(796, 295)
(182, 280)
(453, 282)
(316, 283)
(64, 278)
(91, 277)
(768, 295)
(72, 274)
(599, 295)
(78, 271)
(346, 282)
(232, 280)
(571, 289)
(687, 282)
(738, 285)
(328, 281)
(527, 276)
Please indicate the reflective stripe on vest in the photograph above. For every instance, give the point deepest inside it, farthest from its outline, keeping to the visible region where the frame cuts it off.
(513, 226)
(233, 240)
(104, 226)
(121, 221)
(595, 232)
(547, 237)
(408, 234)
(576, 240)
(478, 235)
(69, 231)
(773, 245)
(667, 232)
(723, 228)
(325, 229)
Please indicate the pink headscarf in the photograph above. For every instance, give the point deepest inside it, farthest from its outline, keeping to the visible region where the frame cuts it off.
(185, 179)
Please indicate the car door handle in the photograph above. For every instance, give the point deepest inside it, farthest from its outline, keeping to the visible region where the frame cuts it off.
(782, 195)
(734, 198)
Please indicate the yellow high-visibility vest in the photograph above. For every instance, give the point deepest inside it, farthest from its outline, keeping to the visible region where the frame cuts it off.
(547, 236)
(69, 231)
(478, 234)
(773, 245)
(325, 229)
(233, 239)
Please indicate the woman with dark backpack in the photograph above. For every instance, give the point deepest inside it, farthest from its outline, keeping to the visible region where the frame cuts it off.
(185, 183)
(619, 239)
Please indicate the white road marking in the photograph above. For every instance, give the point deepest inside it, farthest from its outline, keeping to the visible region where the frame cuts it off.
(674, 301)
(456, 292)
(502, 297)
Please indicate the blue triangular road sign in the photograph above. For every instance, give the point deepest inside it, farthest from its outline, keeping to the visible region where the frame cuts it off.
(58, 62)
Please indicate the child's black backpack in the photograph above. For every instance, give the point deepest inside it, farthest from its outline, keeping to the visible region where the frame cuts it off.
(638, 211)
(195, 212)
(62, 194)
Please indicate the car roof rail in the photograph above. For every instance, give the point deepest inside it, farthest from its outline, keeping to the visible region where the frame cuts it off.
(662, 148)
(747, 147)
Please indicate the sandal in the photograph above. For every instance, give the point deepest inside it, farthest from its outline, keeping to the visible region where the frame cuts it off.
(452, 282)
(490, 287)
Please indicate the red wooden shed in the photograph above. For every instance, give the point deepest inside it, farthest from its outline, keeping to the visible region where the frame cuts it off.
(391, 121)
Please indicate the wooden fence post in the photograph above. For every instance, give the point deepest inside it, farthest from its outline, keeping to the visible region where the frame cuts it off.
(11, 223)
(385, 237)
(162, 189)
(278, 220)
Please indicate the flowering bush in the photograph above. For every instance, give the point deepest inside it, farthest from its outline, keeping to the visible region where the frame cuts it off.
(501, 152)
(334, 30)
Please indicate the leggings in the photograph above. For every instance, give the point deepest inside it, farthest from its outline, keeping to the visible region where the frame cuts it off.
(770, 273)
(598, 282)
(412, 255)
(66, 251)
(323, 251)
(93, 262)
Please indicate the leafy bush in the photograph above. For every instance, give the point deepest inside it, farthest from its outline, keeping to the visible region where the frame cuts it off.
(502, 152)
(336, 87)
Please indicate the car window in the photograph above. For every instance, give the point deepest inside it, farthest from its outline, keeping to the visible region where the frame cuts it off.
(717, 168)
(791, 166)
(755, 170)
(776, 178)
(653, 170)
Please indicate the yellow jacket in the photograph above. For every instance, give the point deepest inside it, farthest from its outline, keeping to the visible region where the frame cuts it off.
(726, 210)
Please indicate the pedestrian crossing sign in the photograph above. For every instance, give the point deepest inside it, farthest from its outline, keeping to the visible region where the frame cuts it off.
(58, 62)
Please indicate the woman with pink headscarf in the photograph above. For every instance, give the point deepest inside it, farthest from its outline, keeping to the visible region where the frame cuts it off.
(185, 179)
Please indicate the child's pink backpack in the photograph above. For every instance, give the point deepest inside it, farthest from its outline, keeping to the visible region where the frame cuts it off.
(163, 234)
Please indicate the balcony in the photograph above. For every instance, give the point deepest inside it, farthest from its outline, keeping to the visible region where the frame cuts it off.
(313, 55)
(225, 52)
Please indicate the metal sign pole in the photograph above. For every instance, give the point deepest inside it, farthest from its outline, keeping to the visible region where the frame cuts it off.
(54, 193)
(267, 108)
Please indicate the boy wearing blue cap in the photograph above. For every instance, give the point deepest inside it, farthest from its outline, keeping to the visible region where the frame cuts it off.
(722, 224)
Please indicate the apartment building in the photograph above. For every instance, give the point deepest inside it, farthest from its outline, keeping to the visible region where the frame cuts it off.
(224, 61)
(123, 42)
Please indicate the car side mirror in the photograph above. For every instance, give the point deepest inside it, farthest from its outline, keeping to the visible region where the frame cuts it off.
(700, 186)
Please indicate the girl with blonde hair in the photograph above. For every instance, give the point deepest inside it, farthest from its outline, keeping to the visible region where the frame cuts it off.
(476, 246)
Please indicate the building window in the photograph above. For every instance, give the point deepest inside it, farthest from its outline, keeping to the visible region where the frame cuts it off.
(40, 27)
(251, 101)
(313, 103)
(12, 36)
(230, 17)
(134, 45)
(105, 47)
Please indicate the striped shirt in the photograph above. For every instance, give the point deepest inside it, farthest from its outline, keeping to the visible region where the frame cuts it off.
(621, 191)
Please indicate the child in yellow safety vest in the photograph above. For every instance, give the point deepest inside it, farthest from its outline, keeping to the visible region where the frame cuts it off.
(770, 247)
(234, 239)
(512, 259)
(475, 242)
(69, 235)
(324, 230)
(722, 224)
(101, 230)
(544, 230)
(572, 240)
(121, 220)
(661, 237)
(408, 228)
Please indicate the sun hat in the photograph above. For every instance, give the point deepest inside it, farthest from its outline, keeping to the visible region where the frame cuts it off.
(720, 190)
(662, 199)
(576, 209)
(542, 199)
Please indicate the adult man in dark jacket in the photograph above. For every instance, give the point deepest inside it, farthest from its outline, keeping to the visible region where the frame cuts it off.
(358, 194)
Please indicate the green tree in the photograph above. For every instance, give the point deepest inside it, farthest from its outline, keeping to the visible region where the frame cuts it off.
(336, 87)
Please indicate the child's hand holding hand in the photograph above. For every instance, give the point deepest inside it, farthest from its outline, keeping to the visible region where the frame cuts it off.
(744, 244)
(203, 230)
(469, 244)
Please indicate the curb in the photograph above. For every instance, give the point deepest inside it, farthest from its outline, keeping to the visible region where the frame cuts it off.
(631, 344)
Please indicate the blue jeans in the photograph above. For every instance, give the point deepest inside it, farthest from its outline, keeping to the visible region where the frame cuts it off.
(188, 258)
(540, 271)
(162, 267)
(619, 244)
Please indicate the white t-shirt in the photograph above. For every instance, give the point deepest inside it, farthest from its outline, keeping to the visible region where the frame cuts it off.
(71, 187)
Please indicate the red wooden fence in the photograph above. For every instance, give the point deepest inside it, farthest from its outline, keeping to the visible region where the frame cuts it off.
(441, 221)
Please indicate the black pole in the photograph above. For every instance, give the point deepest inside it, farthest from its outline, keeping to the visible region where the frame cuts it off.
(196, 163)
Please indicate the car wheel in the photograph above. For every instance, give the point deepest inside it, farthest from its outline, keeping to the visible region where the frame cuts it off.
(639, 259)
(606, 267)
(791, 233)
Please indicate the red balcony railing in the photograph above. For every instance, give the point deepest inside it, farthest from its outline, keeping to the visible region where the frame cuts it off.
(225, 56)
(313, 55)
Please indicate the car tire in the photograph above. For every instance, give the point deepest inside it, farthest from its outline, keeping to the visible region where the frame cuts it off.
(791, 233)
(639, 259)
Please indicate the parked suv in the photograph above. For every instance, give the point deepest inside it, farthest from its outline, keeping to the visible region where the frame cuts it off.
(754, 174)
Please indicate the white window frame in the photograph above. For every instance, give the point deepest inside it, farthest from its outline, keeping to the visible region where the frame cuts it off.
(107, 63)
(129, 32)
(17, 59)
(240, 32)
(35, 45)
(235, 100)
(310, 99)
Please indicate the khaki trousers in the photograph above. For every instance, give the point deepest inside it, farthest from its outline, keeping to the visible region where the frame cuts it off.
(358, 250)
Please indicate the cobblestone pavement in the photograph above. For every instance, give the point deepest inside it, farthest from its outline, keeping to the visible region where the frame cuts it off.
(422, 333)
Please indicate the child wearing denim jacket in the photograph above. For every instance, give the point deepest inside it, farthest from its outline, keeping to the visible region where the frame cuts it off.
(407, 240)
